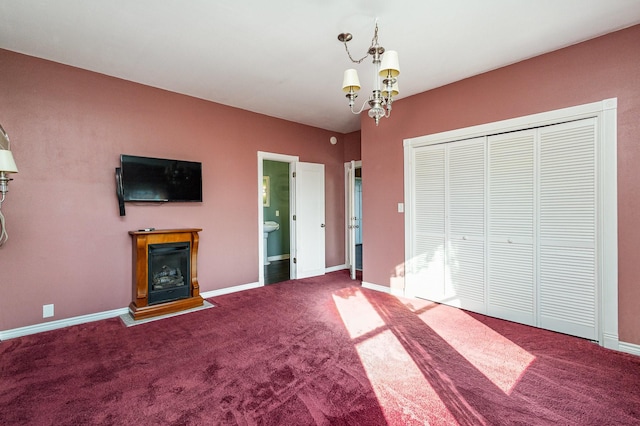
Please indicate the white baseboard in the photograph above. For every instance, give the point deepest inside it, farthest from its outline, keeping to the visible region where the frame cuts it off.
(376, 287)
(610, 341)
(54, 325)
(336, 268)
(382, 289)
(228, 290)
(629, 348)
(82, 319)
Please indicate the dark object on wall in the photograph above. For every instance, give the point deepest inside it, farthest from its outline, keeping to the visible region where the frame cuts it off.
(120, 191)
(158, 180)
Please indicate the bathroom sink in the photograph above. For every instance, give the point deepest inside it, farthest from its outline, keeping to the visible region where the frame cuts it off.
(270, 226)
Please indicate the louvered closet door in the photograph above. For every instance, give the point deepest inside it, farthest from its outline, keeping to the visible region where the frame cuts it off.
(426, 278)
(465, 237)
(511, 196)
(567, 250)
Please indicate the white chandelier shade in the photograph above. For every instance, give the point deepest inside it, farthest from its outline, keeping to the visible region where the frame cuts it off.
(390, 67)
(351, 81)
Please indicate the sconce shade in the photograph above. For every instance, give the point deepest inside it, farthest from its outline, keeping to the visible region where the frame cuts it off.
(7, 164)
(389, 65)
(351, 81)
(394, 90)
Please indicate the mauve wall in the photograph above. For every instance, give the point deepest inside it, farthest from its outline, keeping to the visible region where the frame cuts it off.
(352, 146)
(68, 245)
(601, 68)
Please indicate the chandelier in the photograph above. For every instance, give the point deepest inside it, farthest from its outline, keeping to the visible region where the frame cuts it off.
(386, 66)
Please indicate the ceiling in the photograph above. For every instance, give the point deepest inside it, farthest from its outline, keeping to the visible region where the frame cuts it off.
(282, 57)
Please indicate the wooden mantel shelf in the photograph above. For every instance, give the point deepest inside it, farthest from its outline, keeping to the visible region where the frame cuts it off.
(165, 231)
(139, 307)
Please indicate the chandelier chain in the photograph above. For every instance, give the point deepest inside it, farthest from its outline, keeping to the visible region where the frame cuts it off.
(374, 43)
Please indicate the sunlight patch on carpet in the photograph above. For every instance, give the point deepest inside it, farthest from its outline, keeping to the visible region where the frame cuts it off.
(477, 343)
(362, 318)
(399, 384)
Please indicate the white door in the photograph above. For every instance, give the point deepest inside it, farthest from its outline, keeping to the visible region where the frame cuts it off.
(351, 218)
(309, 251)
(511, 226)
(568, 290)
(465, 211)
(449, 237)
(426, 266)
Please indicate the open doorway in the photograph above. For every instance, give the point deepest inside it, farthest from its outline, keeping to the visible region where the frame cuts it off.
(276, 218)
(306, 201)
(272, 197)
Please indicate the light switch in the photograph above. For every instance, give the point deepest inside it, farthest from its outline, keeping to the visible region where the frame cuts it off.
(400, 207)
(277, 212)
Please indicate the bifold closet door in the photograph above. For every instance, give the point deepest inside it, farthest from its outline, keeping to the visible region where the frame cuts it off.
(506, 225)
(448, 238)
(511, 224)
(542, 258)
(465, 211)
(568, 297)
(427, 276)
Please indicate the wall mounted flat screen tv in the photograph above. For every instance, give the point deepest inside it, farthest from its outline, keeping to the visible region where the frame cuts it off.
(158, 179)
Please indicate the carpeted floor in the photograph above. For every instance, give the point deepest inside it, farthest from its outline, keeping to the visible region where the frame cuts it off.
(318, 351)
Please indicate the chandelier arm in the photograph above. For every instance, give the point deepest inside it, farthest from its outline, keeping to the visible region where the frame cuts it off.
(361, 109)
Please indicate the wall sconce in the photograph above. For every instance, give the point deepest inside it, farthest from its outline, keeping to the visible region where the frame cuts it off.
(7, 165)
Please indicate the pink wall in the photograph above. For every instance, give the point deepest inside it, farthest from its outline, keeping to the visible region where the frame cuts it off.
(69, 246)
(602, 68)
(352, 146)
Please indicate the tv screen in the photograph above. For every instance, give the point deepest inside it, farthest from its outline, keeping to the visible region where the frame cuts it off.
(158, 179)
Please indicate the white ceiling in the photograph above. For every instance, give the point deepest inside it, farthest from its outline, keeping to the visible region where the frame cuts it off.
(282, 57)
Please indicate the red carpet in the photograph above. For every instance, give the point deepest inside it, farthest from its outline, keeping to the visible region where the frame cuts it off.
(319, 351)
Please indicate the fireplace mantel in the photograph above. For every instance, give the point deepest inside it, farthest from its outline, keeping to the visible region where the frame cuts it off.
(140, 307)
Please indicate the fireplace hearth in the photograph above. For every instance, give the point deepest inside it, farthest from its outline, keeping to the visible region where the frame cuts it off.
(164, 272)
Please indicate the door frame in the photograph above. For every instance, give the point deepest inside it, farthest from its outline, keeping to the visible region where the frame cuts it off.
(283, 158)
(348, 189)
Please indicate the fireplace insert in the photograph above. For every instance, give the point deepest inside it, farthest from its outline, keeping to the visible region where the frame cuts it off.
(169, 272)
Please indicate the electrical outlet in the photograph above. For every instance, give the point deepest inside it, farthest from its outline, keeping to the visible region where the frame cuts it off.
(47, 311)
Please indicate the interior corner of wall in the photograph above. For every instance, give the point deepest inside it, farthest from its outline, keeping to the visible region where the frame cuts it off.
(396, 285)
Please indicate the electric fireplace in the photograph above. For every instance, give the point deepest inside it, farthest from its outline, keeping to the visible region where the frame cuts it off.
(164, 272)
(168, 272)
